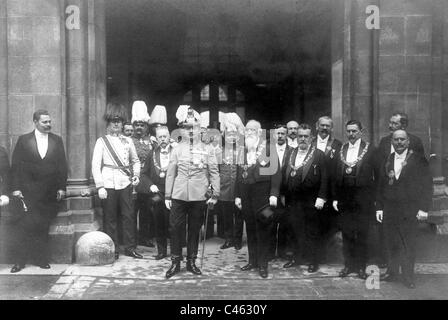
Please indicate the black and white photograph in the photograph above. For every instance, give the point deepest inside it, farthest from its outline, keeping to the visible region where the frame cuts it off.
(222, 155)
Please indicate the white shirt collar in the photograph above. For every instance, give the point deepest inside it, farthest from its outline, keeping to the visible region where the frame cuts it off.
(401, 156)
(356, 145)
(293, 141)
(281, 147)
(40, 135)
(320, 140)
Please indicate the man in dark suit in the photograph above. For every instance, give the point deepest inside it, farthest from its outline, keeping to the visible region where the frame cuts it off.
(398, 121)
(39, 178)
(258, 184)
(281, 228)
(152, 182)
(353, 191)
(404, 196)
(4, 175)
(328, 144)
(305, 178)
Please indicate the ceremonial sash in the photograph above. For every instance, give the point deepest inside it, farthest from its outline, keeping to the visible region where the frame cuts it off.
(115, 157)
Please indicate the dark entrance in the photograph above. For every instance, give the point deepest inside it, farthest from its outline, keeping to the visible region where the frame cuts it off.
(276, 54)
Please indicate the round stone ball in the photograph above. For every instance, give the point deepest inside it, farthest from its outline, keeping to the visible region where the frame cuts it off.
(95, 249)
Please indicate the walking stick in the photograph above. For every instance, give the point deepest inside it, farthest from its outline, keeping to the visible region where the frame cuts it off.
(209, 206)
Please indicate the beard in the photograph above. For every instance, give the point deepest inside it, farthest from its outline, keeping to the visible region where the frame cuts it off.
(251, 141)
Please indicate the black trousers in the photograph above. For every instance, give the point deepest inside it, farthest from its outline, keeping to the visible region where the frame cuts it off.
(232, 221)
(400, 239)
(305, 222)
(31, 243)
(280, 232)
(182, 212)
(119, 204)
(355, 209)
(259, 231)
(161, 223)
(146, 227)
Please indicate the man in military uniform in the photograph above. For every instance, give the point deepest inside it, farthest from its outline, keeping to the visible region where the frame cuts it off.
(192, 168)
(305, 179)
(143, 146)
(353, 196)
(228, 158)
(153, 181)
(116, 171)
(258, 185)
(330, 146)
(404, 197)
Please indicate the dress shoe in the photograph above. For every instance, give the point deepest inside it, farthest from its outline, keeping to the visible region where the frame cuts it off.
(313, 268)
(389, 277)
(291, 263)
(226, 245)
(263, 272)
(117, 255)
(409, 284)
(238, 246)
(160, 256)
(133, 254)
(248, 267)
(45, 266)
(17, 267)
(192, 267)
(175, 268)
(362, 274)
(345, 272)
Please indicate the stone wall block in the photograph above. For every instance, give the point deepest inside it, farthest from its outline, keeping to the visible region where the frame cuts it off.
(21, 111)
(391, 74)
(391, 38)
(418, 35)
(44, 8)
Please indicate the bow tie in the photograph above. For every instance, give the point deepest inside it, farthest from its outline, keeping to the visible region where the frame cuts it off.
(163, 152)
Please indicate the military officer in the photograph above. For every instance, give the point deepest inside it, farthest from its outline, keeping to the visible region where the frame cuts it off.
(192, 168)
(116, 170)
(143, 146)
(228, 158)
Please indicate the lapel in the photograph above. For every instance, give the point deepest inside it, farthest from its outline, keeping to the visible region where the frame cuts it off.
(307, 167)
(51, 145)
(410, 158)
(32, 145)
(344, 154)
(359, 164)
(329, 145)
(285, 154)
(292, 156)
(157, 155)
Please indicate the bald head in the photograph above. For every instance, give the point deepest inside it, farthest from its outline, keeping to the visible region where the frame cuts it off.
(292, 128)
(400, 141)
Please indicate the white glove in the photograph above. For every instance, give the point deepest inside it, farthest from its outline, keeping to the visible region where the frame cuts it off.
(238, 203)
(135, 181)
(319, 203)
(335, 205)
(168, 204)
(102, 193)
(211, 202)
(379, 216)
(4, 201)
(18, 193)
(422, 215)
(273, 201)
(154, 188)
